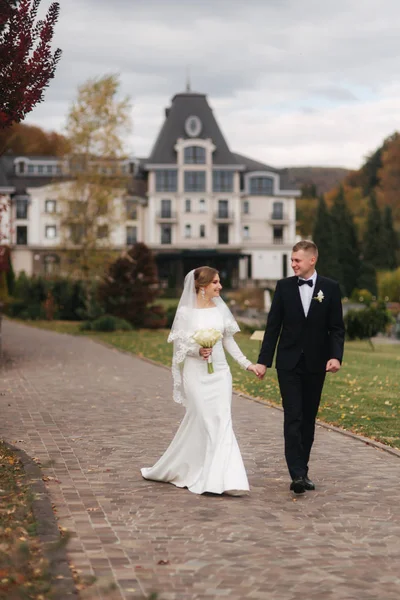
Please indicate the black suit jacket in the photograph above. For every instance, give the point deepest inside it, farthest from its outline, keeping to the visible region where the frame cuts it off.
(320, 335)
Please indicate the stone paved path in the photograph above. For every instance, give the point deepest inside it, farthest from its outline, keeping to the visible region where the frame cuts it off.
(99, 415)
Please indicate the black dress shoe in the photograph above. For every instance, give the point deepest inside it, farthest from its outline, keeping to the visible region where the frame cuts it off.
(298, 485)
(308, 484)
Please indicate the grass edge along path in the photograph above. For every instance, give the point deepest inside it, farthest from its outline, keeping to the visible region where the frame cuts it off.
(364, 397)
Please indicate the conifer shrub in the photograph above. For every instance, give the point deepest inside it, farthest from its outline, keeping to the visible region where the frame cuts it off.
(130, 285)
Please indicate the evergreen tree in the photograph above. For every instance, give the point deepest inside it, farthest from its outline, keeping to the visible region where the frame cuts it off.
(367, 278)
(309, 190)
(374, 242)
(130, 285)
(324, 237)
(391, 240)
(10, 276)
(345, 234)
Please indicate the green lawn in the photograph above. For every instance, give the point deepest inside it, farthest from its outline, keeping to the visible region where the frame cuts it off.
(363, 397)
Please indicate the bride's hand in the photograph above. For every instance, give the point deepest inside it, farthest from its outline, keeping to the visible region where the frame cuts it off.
(254, 369)
(205, 352)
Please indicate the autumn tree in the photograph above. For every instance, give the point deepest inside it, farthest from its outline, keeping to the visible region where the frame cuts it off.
(21, 139)
(92, 200)
(26, 61)
(389, 174)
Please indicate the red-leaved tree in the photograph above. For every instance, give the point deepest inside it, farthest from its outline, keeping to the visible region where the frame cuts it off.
(26, 61)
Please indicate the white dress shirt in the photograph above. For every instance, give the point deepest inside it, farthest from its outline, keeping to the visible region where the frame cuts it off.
(307, 292)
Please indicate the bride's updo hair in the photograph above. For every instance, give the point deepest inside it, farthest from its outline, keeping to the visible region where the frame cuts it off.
(203, 276)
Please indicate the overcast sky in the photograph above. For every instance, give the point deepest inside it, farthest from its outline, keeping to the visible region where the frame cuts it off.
(291, 82)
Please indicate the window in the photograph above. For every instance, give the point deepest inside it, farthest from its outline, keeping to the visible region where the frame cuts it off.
(202, 231)
(131, 210)
(188, 205)
(202, 205)
(76, 208)
(102, 206)
(166, 180)
(188, 231)
(131, 235)
(195, 155)
(166, 212)
(102, 232)
(195, 181)
(223, 211)
(50, 206)
(41, 169)
(31, 169)
(22, 235)
(51, 262)
(278, 234)
(223, 234)
(246, 232)
(76, 232)
(277, 210)
(223, 181)
(166, 234)
(50, 232)
(20, 168)
(246, 207)
(22, 208)
(49, 169)
(261, 186)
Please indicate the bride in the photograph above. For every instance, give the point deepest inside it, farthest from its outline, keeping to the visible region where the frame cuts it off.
(204, 455)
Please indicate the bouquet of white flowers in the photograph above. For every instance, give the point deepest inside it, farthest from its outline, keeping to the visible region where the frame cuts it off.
(207, 338)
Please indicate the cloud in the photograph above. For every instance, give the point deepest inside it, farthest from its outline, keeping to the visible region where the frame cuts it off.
(291, 82)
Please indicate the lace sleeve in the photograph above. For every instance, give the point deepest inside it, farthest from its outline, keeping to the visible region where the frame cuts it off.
(181, 336)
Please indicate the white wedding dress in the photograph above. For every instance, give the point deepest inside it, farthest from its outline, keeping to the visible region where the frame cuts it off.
(204, 455)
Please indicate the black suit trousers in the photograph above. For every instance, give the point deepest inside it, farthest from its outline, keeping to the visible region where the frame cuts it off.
(301, 394)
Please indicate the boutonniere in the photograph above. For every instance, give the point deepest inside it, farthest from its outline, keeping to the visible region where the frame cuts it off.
(320, 296)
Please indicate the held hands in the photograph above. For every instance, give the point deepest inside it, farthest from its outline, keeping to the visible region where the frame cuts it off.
(259, 370)
(333, 365)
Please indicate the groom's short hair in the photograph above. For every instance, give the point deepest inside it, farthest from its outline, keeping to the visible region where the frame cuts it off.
(307, 246)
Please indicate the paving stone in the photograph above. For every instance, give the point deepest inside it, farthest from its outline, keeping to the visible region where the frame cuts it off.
(93, 416)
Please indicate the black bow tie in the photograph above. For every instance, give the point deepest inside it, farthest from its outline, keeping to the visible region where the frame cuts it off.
(303, 281)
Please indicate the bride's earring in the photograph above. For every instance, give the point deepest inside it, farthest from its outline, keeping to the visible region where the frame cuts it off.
(203, 293)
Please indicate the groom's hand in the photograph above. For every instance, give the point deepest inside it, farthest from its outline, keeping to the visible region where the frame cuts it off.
(261, 370)
(333, 365)
(253, 369)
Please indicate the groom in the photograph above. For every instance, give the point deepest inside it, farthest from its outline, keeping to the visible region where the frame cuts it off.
(306, 316)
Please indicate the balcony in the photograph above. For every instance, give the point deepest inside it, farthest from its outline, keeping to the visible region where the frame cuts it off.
(223, 216)
(278, 217)
(167, 216)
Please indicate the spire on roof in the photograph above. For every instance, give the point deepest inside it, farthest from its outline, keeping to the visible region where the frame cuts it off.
(188, 84)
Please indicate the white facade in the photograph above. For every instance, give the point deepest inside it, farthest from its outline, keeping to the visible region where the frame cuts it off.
(197, 198)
